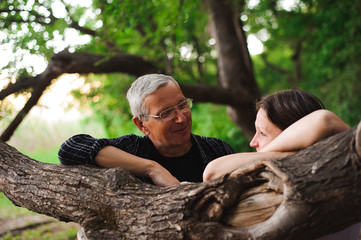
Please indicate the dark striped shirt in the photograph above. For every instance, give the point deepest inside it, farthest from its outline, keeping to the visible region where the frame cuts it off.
(82, 149)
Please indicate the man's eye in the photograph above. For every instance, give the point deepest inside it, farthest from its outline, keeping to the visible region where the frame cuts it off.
(166, 113)
(182, 105)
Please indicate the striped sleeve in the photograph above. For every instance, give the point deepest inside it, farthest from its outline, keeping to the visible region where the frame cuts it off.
(80, 149)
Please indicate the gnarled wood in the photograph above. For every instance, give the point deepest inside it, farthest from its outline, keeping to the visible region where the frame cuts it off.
(315, 192)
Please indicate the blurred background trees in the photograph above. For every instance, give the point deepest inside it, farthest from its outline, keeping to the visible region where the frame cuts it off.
(306, 44)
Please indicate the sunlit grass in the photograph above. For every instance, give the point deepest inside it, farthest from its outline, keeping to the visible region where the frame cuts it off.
(52, 231)
(9, 210)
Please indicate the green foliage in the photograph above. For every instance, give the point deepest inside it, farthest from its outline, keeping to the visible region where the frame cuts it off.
(212, 121)
(43, 144)
(108, 102)
(173, 35)
(329, 33)
(334, 50)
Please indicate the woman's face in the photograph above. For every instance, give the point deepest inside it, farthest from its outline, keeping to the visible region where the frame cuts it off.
(266, 131)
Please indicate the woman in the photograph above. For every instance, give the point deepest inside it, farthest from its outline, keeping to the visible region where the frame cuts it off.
(282, 120)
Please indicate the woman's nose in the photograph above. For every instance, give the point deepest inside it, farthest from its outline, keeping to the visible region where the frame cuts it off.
(254, 142)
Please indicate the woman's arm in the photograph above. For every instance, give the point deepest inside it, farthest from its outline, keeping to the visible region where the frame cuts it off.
(229, 163)
(303, 133)
(308, 130)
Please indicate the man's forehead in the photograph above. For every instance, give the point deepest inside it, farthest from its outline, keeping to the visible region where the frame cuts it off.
(165, 97)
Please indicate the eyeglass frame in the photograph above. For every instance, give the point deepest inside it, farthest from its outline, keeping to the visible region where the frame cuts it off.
(189, 103)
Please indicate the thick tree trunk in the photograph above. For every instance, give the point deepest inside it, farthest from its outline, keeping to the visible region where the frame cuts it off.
(235, 70)
(309, 194)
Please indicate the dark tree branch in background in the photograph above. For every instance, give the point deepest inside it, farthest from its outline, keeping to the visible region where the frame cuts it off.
(274, 67)
(318, 188)
(46, 20)
(293, 78)
(297, 63)
(20, 85)
(66, 62)
(41, 82)
(211, 94)
(85, 63)
(234, 64)
(74, 24)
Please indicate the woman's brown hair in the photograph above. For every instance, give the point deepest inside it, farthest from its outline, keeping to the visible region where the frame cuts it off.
(287, 106)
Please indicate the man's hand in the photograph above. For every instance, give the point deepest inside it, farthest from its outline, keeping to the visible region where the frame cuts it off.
(110, 157)
(160, 176)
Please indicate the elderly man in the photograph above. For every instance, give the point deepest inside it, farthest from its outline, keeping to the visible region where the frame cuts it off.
(168, 153)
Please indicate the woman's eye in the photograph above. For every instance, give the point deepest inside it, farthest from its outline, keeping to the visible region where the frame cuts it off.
(263, 134)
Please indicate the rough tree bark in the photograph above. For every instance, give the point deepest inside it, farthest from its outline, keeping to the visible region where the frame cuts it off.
(309, 194)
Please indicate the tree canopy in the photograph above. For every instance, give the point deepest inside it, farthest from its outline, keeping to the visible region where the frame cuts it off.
(312, 45)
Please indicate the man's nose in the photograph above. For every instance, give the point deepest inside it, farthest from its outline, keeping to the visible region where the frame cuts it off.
(179, 116)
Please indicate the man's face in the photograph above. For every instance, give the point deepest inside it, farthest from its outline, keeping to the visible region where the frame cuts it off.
(173, 135)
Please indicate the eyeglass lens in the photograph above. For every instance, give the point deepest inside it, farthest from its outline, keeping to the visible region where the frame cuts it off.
(169, 114)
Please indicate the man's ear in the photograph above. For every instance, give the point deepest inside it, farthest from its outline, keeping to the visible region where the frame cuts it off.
(140, 125)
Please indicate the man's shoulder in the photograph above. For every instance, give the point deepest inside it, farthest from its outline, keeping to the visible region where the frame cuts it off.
(207, 139)
(212, 142)
(212, 147)
(131, 138)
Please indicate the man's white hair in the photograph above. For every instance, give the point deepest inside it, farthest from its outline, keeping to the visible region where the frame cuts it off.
(141, 88)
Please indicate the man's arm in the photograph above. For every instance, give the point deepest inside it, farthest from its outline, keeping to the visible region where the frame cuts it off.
(84, 149)
(308, 130)
(111, 157)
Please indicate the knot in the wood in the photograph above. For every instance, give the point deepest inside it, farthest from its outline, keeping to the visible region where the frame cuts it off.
(214, 212)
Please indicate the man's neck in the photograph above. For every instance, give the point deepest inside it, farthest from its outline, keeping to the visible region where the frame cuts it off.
(175, 151)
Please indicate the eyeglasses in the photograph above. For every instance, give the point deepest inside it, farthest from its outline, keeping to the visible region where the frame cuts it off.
(170, 113)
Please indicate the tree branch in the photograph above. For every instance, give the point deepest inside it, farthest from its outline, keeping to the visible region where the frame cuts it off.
(66, 62)
(212, 94)
(273, 66)
(20, 85)
(318, 187)
(296, 58)
(41, 81)
(75, 24)
(234, 63)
